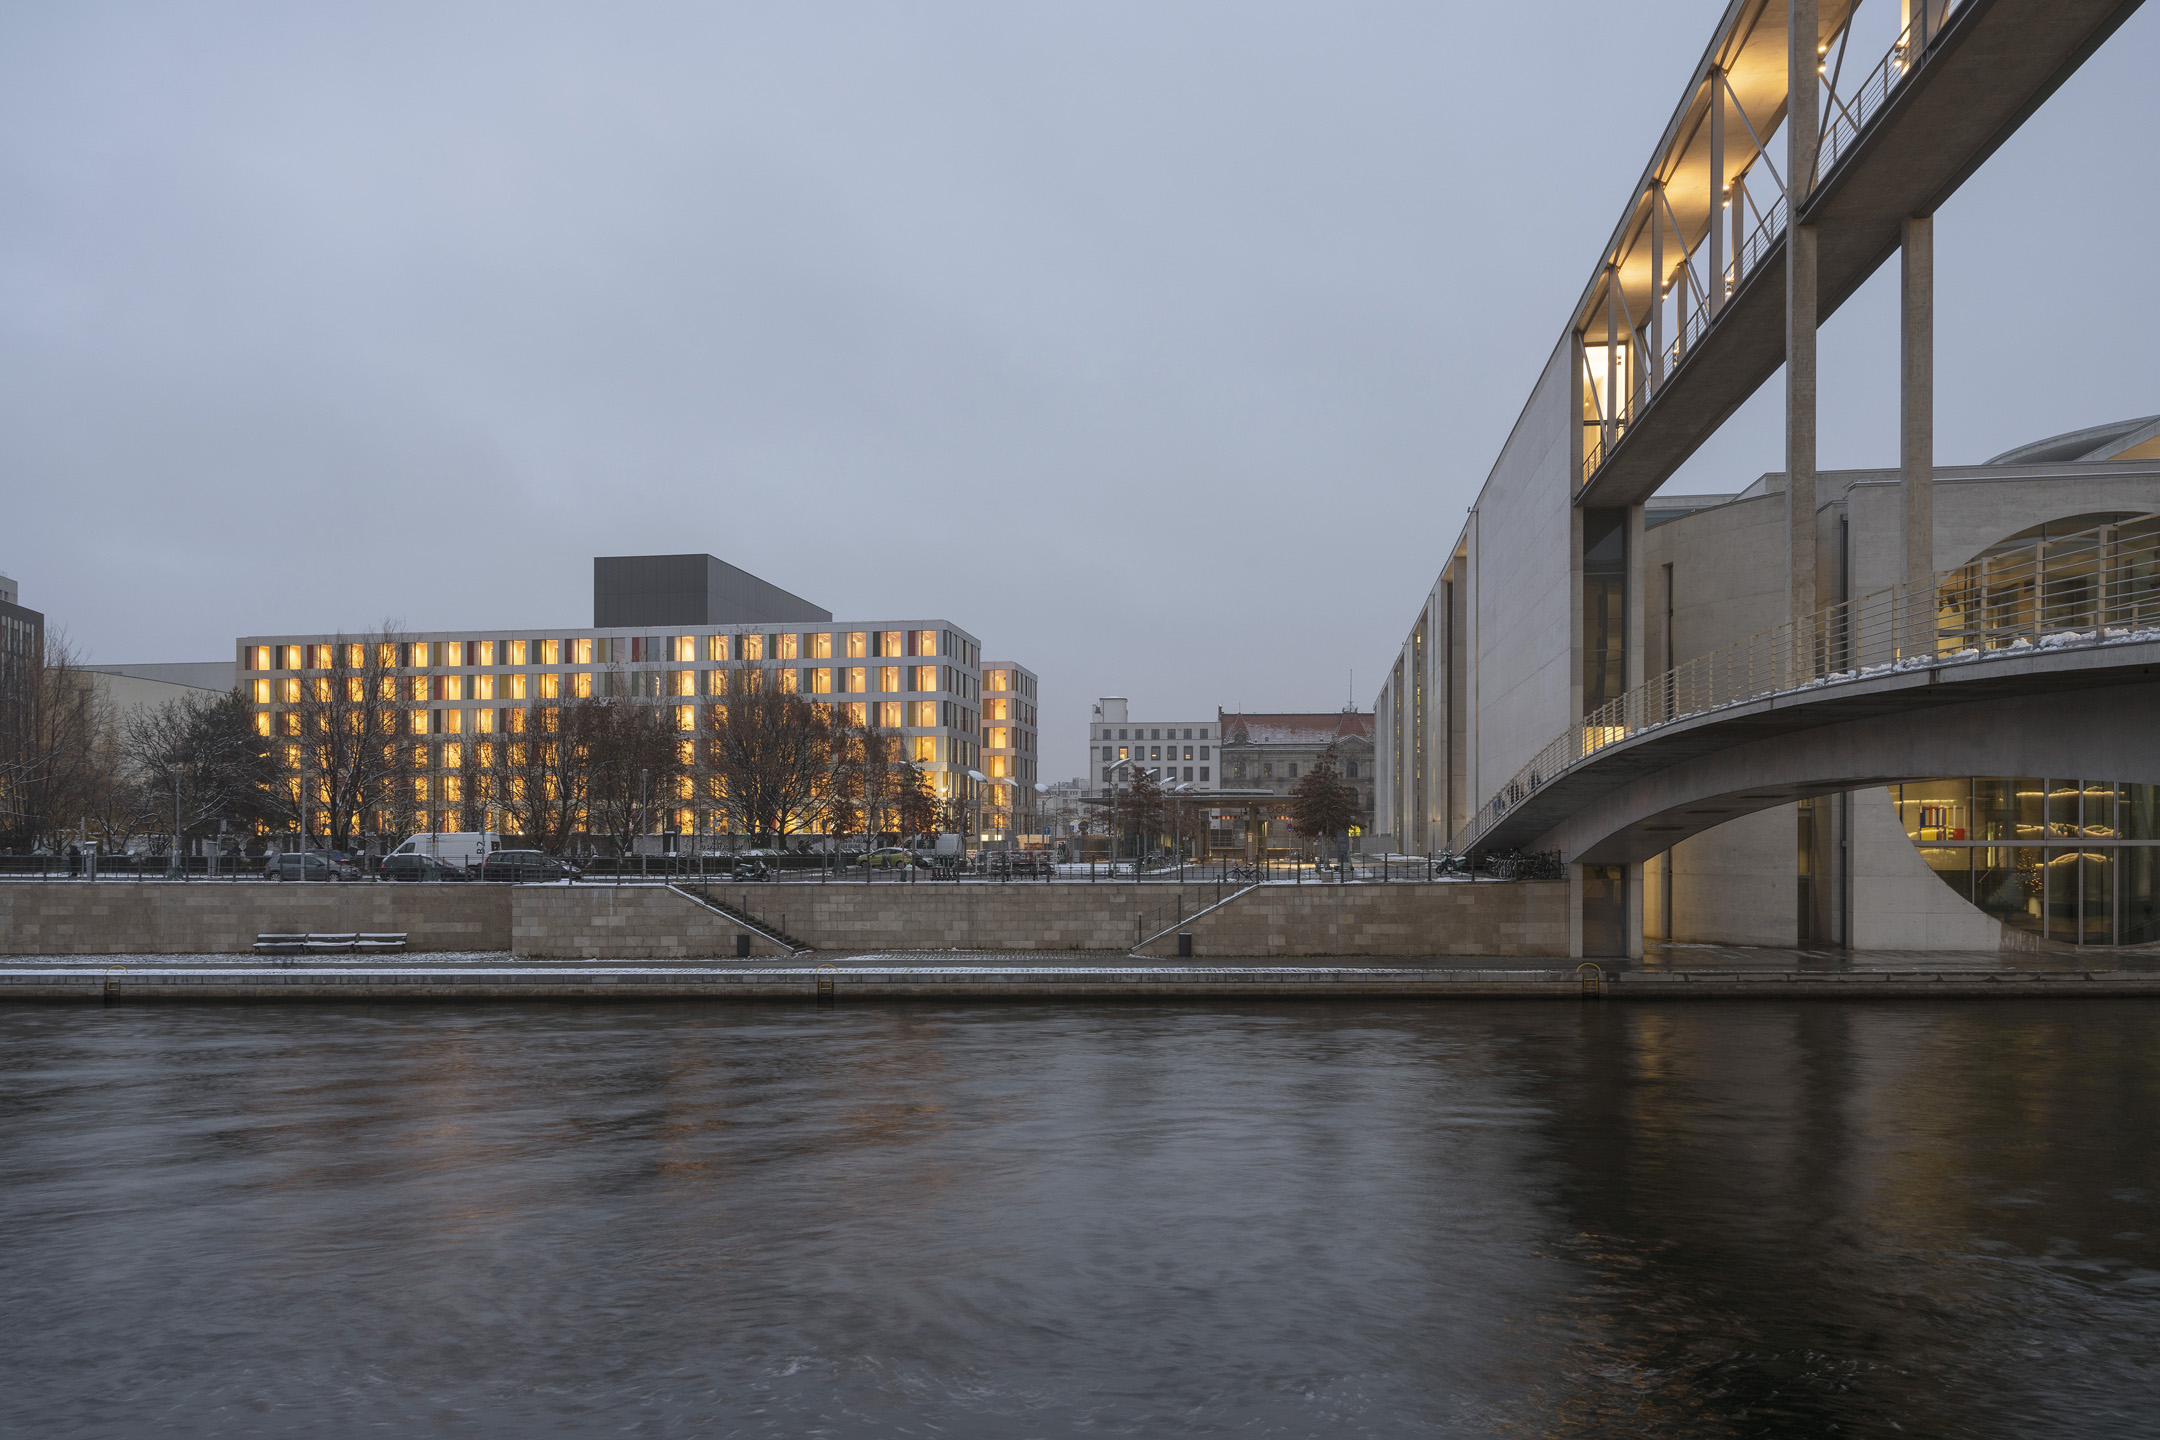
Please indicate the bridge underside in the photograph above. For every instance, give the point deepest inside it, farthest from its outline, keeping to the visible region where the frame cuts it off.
(2089, 713)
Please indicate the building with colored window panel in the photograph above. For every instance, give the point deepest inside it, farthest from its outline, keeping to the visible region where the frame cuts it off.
(459, 696)
(1010, 817)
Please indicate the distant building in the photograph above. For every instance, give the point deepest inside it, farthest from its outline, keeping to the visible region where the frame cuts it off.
(1272, 752)
(22, 634)
(667, 630)
(1177, 751)
(1009, 756)
(125, 690)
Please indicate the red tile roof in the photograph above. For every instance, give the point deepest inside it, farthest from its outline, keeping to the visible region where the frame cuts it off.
(1317, 731)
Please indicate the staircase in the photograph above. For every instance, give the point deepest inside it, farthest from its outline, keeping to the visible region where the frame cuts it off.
(742, 915)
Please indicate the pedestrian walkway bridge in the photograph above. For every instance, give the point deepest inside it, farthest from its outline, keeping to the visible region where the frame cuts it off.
(1684, 314)
(1920, 680)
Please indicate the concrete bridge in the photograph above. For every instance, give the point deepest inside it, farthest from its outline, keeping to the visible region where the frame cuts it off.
(2091, 710)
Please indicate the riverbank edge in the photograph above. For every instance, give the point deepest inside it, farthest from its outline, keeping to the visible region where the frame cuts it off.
(1036, 983)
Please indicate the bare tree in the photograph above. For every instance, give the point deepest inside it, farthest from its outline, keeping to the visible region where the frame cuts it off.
(636, 763)
(342, 731)
(768, 759)
(197, 762)
(915, 803)
(546, 777)
(56, 759)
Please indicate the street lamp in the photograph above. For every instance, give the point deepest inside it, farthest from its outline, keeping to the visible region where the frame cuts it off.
(975, 825)
(1120, 765)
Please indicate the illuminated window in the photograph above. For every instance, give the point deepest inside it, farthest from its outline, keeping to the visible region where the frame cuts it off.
(292, 658)
(1121, 753)
(551, 686)
(453, 756)
(682, 682)
(855, 713)
(821, 681)
(786, 648)
(788, 681)
(858, 644)
(888, 714)
(262, 723)
(550, 652)
(998, 738)
(686, 717)
(820, 645)
(924, 747)
(519, 684)
(581, 684)
(997, 709)
(716, 647)
(996, 680)
(753, 647)
(926, 642)
(487, 653)
(858, 679)
(483, 687)
(260, 690)
(888, 678)
(999, 765)
(716, 716)
(922, 713)
(925, 679)
(517, 652)
(550, 719)
(517, 726)
(484, 722)
(419, 721)
(683, 648)
(453, 687)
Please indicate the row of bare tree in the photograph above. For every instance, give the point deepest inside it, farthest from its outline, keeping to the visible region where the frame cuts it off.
(72, 770)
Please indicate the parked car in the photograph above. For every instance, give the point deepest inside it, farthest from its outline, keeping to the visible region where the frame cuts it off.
(1021, 862)
(526, 866)
(309, 865)
(420, 867)
(887, 857)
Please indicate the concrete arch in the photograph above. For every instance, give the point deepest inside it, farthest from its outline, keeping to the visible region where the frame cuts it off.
(2092, 713)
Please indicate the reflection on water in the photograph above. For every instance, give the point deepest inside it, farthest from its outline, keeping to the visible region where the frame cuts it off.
(1530, 1219)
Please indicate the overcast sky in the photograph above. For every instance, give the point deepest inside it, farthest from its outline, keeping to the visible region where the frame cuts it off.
(1161, 346)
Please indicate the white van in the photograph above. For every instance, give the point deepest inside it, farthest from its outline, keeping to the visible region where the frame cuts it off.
(465, 849)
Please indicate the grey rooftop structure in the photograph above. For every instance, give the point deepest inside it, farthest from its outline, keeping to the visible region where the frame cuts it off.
(639, 590)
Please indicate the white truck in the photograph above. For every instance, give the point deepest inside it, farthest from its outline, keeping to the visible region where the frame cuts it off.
(465, 849)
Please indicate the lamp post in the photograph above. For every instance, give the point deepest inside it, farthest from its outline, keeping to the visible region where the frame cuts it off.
(976, 781)
(644, 778)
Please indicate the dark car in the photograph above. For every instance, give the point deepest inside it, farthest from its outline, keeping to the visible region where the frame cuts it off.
(526, 866)
(308, 865)
(420, 867)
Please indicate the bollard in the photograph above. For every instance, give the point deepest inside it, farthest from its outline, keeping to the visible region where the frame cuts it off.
(1184, 945)
(742, 946)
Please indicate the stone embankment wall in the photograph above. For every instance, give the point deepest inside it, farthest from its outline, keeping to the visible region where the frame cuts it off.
(211, 917)
(653, 922)
(1417, 918)
(622, 922)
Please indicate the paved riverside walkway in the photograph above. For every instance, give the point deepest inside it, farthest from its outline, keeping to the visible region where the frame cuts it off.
(1670, 972)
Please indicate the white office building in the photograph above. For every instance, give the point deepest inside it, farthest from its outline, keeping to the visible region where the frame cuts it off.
(1177, 751)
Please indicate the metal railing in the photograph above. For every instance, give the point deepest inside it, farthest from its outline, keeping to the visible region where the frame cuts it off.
(2095, 587)
(1844, 117)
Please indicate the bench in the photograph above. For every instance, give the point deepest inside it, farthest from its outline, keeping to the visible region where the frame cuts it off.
(348, 943)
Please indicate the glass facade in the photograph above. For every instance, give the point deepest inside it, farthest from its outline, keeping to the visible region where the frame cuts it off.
(2070, 860)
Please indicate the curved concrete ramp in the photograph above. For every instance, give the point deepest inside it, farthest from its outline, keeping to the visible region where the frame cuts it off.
(1744, 762)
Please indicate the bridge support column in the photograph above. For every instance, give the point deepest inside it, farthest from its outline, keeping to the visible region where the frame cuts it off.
(1802, 123)
(1635, 911)
(1916, 394)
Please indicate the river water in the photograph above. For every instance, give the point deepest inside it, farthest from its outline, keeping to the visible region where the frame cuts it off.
(1537, 1219)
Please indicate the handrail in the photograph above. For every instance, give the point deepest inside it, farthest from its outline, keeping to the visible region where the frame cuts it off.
(2096, 587)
